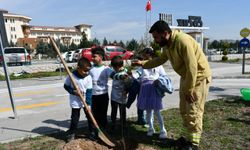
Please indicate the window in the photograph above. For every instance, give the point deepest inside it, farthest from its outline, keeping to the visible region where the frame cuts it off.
(119, 49)
(14, 50)
(110, 49)
(15, 36)
(6, 20)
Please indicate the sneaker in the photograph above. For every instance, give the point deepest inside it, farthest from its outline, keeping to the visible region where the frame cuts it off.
(180, 143)
(145, 126)
(70, 137)
(163, 135)
(189, 146)
(150, 132)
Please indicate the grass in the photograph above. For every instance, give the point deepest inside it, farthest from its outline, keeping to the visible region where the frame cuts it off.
(33, 75)
(226, 126)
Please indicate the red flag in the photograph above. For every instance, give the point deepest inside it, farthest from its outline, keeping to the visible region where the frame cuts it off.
(148, 6)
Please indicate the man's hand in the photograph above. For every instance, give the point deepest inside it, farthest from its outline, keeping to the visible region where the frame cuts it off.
(191, 97)
(136, 63)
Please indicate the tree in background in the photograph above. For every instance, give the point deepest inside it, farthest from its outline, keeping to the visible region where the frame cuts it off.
(73, 46)
(41, 48)
(51, 52)
(84, 41)
(115, 42)
(63, 48)
(214, 45)
(96, 42)
(104, 42)
(121, 43)
(132, 45)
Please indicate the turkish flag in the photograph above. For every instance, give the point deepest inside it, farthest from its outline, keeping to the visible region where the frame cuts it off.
(148, 6)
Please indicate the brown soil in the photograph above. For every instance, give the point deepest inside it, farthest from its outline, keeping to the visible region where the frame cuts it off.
(86, 144)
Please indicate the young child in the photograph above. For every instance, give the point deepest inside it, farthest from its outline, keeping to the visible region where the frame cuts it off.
(148, 98)
(133, 93)
(100, 98)
(120, 85)
(84, 83)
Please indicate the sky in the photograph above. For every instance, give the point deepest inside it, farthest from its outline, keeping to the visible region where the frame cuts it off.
(126, 19)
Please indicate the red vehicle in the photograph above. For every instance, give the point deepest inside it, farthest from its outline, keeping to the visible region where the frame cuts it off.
(110, 52)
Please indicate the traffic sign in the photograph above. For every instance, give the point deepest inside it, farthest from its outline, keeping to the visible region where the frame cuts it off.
(244, 42)
(244, 32)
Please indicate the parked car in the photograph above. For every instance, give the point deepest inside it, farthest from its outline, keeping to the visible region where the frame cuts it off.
(64, 55)
(69, 56)
(16, 55)
(77, 54)
(110, 52)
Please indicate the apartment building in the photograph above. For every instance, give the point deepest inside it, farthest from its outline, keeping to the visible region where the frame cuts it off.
(19, 31)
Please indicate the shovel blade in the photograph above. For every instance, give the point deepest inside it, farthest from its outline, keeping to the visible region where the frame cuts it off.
(104, 138)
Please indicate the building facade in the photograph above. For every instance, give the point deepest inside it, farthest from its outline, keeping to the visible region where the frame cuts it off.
(20, 32)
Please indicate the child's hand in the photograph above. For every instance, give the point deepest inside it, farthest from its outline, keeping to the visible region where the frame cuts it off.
(76, 93)
(125, 76)
(156, 82)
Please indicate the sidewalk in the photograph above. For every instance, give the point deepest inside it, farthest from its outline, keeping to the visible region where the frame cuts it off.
(227, 77)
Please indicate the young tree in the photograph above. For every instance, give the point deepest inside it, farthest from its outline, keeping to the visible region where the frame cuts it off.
(225, 46)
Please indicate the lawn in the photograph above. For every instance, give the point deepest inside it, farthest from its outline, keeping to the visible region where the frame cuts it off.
(226, 126)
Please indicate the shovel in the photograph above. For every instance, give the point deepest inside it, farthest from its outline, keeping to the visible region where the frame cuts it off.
(101, 135)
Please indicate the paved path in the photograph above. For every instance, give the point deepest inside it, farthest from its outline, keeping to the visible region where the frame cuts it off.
(47, 118)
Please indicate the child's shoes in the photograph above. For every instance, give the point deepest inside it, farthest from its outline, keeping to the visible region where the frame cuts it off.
(163, 135)
(151, 132)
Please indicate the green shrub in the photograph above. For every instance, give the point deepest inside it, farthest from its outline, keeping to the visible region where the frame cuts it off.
(224, 58)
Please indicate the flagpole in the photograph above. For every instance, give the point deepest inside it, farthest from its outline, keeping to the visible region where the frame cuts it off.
(150, 22)
(146, 26)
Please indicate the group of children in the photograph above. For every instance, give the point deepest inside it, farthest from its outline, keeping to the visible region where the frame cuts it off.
(92, 81)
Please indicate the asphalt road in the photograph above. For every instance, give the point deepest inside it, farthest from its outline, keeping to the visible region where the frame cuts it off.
(42, 104)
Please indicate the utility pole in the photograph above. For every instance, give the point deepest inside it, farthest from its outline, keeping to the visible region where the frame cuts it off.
(4, 43)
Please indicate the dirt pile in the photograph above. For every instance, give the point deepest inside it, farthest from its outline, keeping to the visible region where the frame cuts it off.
(84, 144)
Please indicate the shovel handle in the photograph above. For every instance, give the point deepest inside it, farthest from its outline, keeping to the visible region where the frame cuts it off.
(74, 83)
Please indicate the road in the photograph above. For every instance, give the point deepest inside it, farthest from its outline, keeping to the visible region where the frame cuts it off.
(42, 104)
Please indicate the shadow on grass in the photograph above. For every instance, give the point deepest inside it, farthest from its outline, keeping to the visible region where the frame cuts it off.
(213, 88)
(247, 122)
(135, 134)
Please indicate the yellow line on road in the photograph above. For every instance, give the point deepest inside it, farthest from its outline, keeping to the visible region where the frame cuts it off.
(29, 106)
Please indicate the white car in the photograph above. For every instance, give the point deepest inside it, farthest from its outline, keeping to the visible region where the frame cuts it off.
(77, 55)
(69, 56)
(64, 55)
(16, 55)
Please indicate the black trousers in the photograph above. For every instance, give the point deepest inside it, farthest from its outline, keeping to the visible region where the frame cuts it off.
(122, 109)
(100, 109)
(75, 115)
